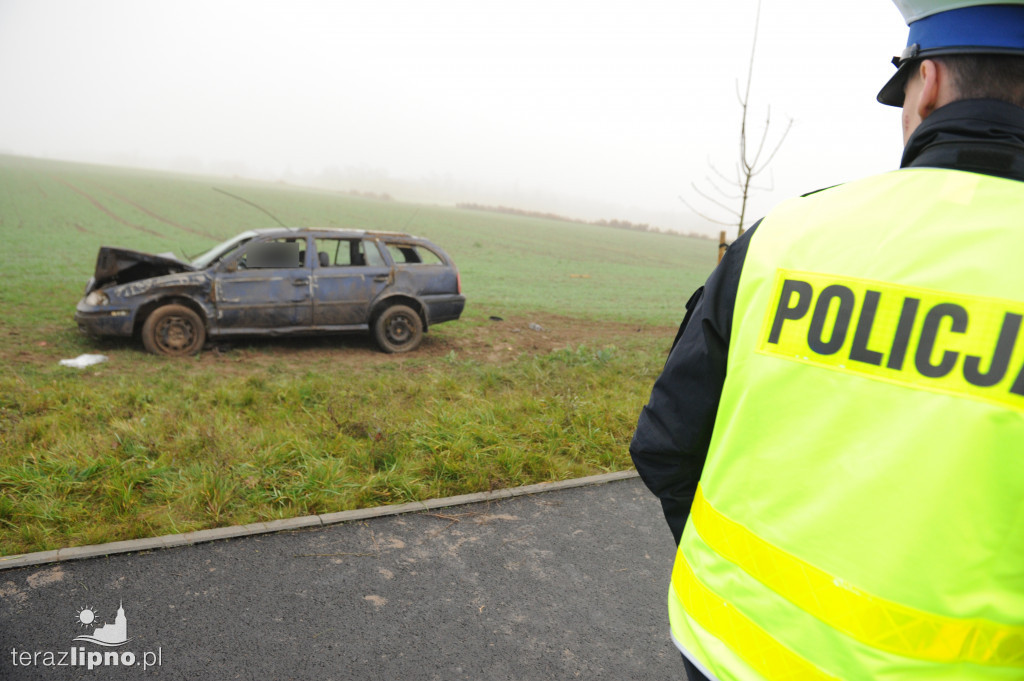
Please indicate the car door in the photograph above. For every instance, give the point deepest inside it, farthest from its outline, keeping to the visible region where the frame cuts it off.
(348, 275)
(265, 287)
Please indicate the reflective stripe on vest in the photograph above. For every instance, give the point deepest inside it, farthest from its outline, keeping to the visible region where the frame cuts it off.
(864, 508)
(737, 631)
(875, 621)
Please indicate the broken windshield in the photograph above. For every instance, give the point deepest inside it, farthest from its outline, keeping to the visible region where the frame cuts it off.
(220, 250)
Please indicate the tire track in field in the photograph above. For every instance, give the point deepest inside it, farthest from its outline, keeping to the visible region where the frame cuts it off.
(172, 223)
(91, 199)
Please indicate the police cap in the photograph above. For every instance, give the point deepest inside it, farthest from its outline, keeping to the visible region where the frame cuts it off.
(943, 27)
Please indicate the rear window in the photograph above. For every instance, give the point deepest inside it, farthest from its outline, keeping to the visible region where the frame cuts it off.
(410, 254)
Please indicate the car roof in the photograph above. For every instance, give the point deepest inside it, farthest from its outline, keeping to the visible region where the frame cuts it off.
(335, 231)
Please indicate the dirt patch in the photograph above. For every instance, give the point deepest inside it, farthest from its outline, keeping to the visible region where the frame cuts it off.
(491, 340)
(482, 339)
(46, 577)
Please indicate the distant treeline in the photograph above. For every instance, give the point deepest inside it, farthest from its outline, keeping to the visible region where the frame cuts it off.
(370, 195)
(618, 224)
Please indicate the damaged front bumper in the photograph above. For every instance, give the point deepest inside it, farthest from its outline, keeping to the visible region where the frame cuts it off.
(98, 321)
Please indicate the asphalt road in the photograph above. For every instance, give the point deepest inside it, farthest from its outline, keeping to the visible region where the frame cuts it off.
(567, 584)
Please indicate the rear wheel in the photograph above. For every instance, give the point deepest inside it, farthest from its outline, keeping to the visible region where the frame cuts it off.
(173, 330)
(398, 329)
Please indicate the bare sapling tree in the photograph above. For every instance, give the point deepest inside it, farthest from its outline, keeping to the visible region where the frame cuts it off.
(726, 192)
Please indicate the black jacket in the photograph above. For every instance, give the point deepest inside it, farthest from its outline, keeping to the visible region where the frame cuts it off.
(674, 429)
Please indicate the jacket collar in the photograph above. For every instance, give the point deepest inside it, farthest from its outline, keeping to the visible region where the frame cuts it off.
(977, 135)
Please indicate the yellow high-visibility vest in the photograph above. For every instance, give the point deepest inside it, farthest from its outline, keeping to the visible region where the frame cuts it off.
(861, 512)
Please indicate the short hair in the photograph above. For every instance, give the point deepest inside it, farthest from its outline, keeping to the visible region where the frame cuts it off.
(987, 76)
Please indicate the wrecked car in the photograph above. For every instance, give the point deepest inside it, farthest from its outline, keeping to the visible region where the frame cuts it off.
(271, 282)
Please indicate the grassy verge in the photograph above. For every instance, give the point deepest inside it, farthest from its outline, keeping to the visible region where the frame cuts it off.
(96, 456)
(144, 446)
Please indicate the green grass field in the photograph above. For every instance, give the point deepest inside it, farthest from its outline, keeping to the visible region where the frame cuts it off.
(141, 445)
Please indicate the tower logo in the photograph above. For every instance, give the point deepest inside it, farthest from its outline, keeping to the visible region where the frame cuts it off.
(110, 635)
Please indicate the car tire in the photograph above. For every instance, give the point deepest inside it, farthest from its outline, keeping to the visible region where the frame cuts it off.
(173, 330)
(398, 329)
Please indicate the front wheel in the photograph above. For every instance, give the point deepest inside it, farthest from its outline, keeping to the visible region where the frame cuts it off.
(398, 329)
(173, 330)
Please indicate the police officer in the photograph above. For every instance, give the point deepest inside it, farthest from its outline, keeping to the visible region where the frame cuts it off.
(837, 437)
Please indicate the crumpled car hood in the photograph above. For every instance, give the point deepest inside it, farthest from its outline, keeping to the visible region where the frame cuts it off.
(121, 266)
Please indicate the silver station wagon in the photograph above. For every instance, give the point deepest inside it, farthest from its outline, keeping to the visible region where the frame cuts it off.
(272, 282)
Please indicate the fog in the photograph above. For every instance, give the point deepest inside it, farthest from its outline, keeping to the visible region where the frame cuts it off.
(599, 109)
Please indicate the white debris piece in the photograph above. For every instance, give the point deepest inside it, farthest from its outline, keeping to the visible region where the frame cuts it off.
(83, 361)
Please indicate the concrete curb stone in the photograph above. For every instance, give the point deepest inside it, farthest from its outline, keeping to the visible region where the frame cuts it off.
(200, 536)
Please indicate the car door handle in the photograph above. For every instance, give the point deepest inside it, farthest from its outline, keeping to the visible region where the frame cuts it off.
(381, 277)
(300, 282)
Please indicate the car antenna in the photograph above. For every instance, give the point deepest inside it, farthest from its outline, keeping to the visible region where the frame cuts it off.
(251, 204)
(411, 218)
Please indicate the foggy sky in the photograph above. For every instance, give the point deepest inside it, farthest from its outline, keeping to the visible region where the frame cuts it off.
(597, 109)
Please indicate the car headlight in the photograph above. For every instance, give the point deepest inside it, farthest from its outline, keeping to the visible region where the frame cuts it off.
(97, 298)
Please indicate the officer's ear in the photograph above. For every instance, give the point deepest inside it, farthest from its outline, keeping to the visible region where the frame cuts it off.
(934, 82)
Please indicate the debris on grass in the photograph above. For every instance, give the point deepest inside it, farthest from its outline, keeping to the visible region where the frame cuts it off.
(83, 361)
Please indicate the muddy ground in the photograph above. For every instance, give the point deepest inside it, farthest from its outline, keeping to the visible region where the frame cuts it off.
(484, 339)
(493, 340)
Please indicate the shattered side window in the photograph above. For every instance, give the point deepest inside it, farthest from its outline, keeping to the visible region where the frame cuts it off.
(409, 254)
(335, 252)
(348, 253)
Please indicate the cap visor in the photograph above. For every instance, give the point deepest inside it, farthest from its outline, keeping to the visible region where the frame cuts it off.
(892, 93)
